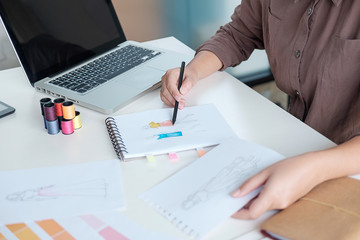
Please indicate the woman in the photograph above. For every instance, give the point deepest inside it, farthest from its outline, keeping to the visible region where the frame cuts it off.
(313, 48)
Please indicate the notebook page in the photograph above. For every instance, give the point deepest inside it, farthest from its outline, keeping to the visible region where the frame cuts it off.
(151, 132)
(197, 198)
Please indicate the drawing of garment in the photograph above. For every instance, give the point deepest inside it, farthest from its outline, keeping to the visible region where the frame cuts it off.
(227, 179)
(91, 188)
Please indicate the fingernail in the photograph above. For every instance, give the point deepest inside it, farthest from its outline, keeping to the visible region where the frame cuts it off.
(184, 90)
(236, 193)
(177, 98)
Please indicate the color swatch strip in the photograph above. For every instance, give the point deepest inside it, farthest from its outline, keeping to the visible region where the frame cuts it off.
(107, 232)
(2, 237)
(22, 231)
(54, 230)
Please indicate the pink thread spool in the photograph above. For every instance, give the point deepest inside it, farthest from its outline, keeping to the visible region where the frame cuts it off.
(67, 126)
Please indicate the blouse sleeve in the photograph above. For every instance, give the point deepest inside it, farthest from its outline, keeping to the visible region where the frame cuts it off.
(235, 41)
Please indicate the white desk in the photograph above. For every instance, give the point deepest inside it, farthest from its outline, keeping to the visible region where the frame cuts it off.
(24, 143)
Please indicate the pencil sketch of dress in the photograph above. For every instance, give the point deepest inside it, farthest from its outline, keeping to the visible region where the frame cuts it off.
(91, 188)
(227, 179)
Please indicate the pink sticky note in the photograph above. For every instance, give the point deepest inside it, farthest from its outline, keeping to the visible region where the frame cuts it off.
(173, 157)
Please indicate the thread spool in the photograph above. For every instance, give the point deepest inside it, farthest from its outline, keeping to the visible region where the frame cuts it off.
(49, 111)
(59, 121)
(67, 126)
(58, 106)
(53, 127)
(68, 110)
(43, 101)
(77, 120)
(44, 122)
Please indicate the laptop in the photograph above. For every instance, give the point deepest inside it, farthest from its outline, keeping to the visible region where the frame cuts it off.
(77, 50)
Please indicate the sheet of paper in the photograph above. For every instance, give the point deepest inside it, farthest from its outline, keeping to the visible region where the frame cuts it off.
(60, 191)
(107, 226)
(197, 198)
(151, 132)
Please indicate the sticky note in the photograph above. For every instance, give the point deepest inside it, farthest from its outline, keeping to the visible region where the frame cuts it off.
(173, 157)
(201, 152)
(151, 158)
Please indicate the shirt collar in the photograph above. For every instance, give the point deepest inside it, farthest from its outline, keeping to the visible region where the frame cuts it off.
(336, 2)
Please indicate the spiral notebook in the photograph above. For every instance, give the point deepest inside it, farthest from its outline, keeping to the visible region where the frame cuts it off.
(151, 132)
(202, 199)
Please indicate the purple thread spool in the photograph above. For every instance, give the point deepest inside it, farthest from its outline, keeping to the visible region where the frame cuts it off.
(53, 127)
(50, 113)
(44, 101)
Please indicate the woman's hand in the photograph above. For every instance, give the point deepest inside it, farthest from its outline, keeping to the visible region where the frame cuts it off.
(284, 183)
(202, 65)
(169, 88)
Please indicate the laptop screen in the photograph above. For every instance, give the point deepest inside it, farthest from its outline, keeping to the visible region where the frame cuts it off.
(52, 36)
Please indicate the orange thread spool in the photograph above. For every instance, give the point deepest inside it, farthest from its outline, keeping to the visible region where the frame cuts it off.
(68, 110)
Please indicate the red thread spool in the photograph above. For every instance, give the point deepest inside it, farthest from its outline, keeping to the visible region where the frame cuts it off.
(49, 111)
(67, 126)
(58, 106)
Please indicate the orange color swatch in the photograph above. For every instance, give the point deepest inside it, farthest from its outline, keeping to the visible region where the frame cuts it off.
(22, 232)
(55, 231)
(2, 237)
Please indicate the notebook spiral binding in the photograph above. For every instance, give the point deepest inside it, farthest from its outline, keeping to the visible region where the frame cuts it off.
(177, 222)
(115, 137)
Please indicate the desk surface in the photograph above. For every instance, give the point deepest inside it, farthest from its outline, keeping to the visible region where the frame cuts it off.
(24, 143)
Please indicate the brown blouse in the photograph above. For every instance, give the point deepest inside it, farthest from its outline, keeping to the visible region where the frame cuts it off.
(313, 47)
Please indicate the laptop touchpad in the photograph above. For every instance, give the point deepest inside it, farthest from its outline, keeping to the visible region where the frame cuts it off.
(142, 78)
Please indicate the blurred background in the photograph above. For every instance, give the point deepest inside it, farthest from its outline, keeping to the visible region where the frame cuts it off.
(190, 21)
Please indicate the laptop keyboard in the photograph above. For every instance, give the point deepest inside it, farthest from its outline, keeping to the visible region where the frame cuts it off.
(103, 69)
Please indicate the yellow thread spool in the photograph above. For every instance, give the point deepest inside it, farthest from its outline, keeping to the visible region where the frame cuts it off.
(77, 120)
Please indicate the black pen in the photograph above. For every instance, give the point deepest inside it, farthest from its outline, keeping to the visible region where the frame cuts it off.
(179, 86)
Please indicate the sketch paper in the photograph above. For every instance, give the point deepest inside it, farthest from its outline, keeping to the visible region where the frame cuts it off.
(198, 198)
(60, 191)
(151, 132)
(111, 225)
